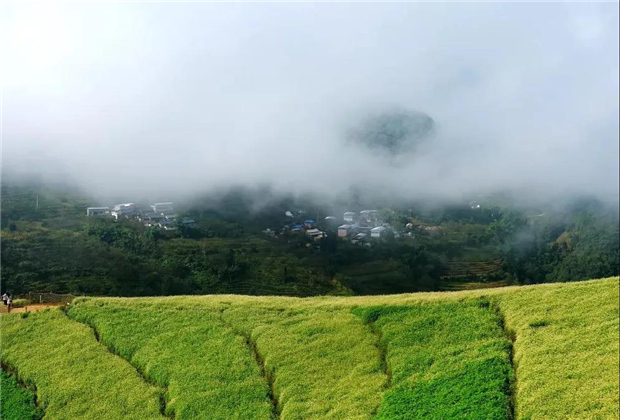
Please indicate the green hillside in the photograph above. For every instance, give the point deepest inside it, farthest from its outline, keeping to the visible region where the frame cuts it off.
(242, 243)
(534, 352)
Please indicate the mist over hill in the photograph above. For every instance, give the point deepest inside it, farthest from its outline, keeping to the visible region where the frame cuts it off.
(445, 101)
(394, 132)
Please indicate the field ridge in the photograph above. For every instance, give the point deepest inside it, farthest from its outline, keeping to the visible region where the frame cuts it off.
(112, 350)
(267, 374)
(511, 335)
(382, 350)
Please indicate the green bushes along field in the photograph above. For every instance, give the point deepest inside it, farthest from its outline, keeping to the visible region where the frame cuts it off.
(536, 352)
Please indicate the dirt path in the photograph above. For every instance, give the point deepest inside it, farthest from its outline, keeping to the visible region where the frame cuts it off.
(30, 308)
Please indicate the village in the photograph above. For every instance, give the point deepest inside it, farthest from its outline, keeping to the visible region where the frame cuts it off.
(161, 215)
(361, 229)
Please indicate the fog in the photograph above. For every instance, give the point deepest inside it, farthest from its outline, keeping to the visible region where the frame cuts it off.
(161, 98)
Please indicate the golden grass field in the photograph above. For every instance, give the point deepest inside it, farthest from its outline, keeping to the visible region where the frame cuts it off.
(532, 352)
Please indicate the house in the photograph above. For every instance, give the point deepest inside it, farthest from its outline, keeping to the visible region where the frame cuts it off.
(167, 224)
(359, 238)
(121, 210)
(188, 222)
(97, 211)
(409, 225)
(297, 228)
(316, 234)
(362, 229)
(369, 216)
(163, 207)
(348, 216)
(348, 230)
(170, 218)
(378, 232)
(309, 224)
(150, 217)
(343, 231)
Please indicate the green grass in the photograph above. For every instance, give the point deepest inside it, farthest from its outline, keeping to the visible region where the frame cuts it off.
(425, 355)
(566, 349)
(446, 360)
(75, 377)
(16, 403)
(323, 362)
(207, 369)
(315, 363)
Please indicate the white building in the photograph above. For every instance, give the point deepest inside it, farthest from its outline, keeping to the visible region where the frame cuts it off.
(314, 232)
(97, 211)
(378, 231)
(148, 217)
(349, 216)
(163, 207)
(369, 215)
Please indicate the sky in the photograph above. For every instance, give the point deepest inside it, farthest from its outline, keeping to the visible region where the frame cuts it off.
(151, 98)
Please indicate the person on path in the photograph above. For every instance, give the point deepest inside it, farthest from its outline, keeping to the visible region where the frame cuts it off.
(5, 297)
(9, 302)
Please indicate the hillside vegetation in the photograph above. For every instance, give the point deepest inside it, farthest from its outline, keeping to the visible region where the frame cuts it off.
(535, 352)
(49, 244)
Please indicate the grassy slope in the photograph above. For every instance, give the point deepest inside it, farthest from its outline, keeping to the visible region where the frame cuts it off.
(323, 361)
(75, 377)
(566, 349)
(208, 370)
(447, 361)
(16, 403)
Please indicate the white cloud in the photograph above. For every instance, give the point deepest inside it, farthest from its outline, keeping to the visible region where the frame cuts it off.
(194, 95)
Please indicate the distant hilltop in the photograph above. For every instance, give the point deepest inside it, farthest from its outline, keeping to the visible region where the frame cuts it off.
(395, 131)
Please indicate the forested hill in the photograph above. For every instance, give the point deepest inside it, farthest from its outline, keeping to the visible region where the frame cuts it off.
(234, 245)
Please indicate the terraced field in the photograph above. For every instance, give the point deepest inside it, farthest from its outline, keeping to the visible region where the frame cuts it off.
(539, 352)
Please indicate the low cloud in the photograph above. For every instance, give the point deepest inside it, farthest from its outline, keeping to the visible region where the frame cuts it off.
(150, 99)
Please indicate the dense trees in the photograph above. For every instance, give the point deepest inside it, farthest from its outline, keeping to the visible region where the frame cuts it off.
(583, 245)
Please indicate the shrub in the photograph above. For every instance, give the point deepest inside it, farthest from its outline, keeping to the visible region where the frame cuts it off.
(20, 303)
